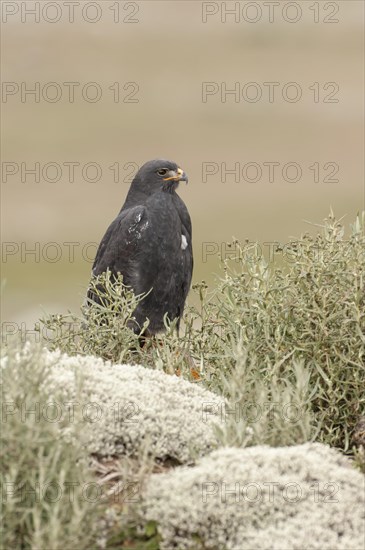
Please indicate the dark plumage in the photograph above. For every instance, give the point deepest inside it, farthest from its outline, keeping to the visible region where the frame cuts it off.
(149, 243)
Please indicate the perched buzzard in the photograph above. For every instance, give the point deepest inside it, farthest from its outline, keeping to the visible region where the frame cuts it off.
(149, 243)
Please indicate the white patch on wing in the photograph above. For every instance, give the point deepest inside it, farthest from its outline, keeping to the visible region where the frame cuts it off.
(184, 242)
(136, 229)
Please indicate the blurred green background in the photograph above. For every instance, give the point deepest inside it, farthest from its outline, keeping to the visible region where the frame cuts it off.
(168, 52)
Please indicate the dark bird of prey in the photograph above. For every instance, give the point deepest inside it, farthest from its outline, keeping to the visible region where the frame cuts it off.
(149, 243)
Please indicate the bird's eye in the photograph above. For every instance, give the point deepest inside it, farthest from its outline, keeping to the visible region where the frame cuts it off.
(162, 172)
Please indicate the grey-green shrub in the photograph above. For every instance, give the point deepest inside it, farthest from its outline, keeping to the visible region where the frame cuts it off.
(310, 312)
(102, 328)
(43, 478)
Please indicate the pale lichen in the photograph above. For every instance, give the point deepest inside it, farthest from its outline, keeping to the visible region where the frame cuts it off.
(124, 408)
(288, 498)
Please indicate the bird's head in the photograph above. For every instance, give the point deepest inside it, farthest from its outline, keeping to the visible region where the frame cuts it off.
(159, 174)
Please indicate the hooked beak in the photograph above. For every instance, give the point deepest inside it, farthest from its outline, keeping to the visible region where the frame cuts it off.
(179, 175)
